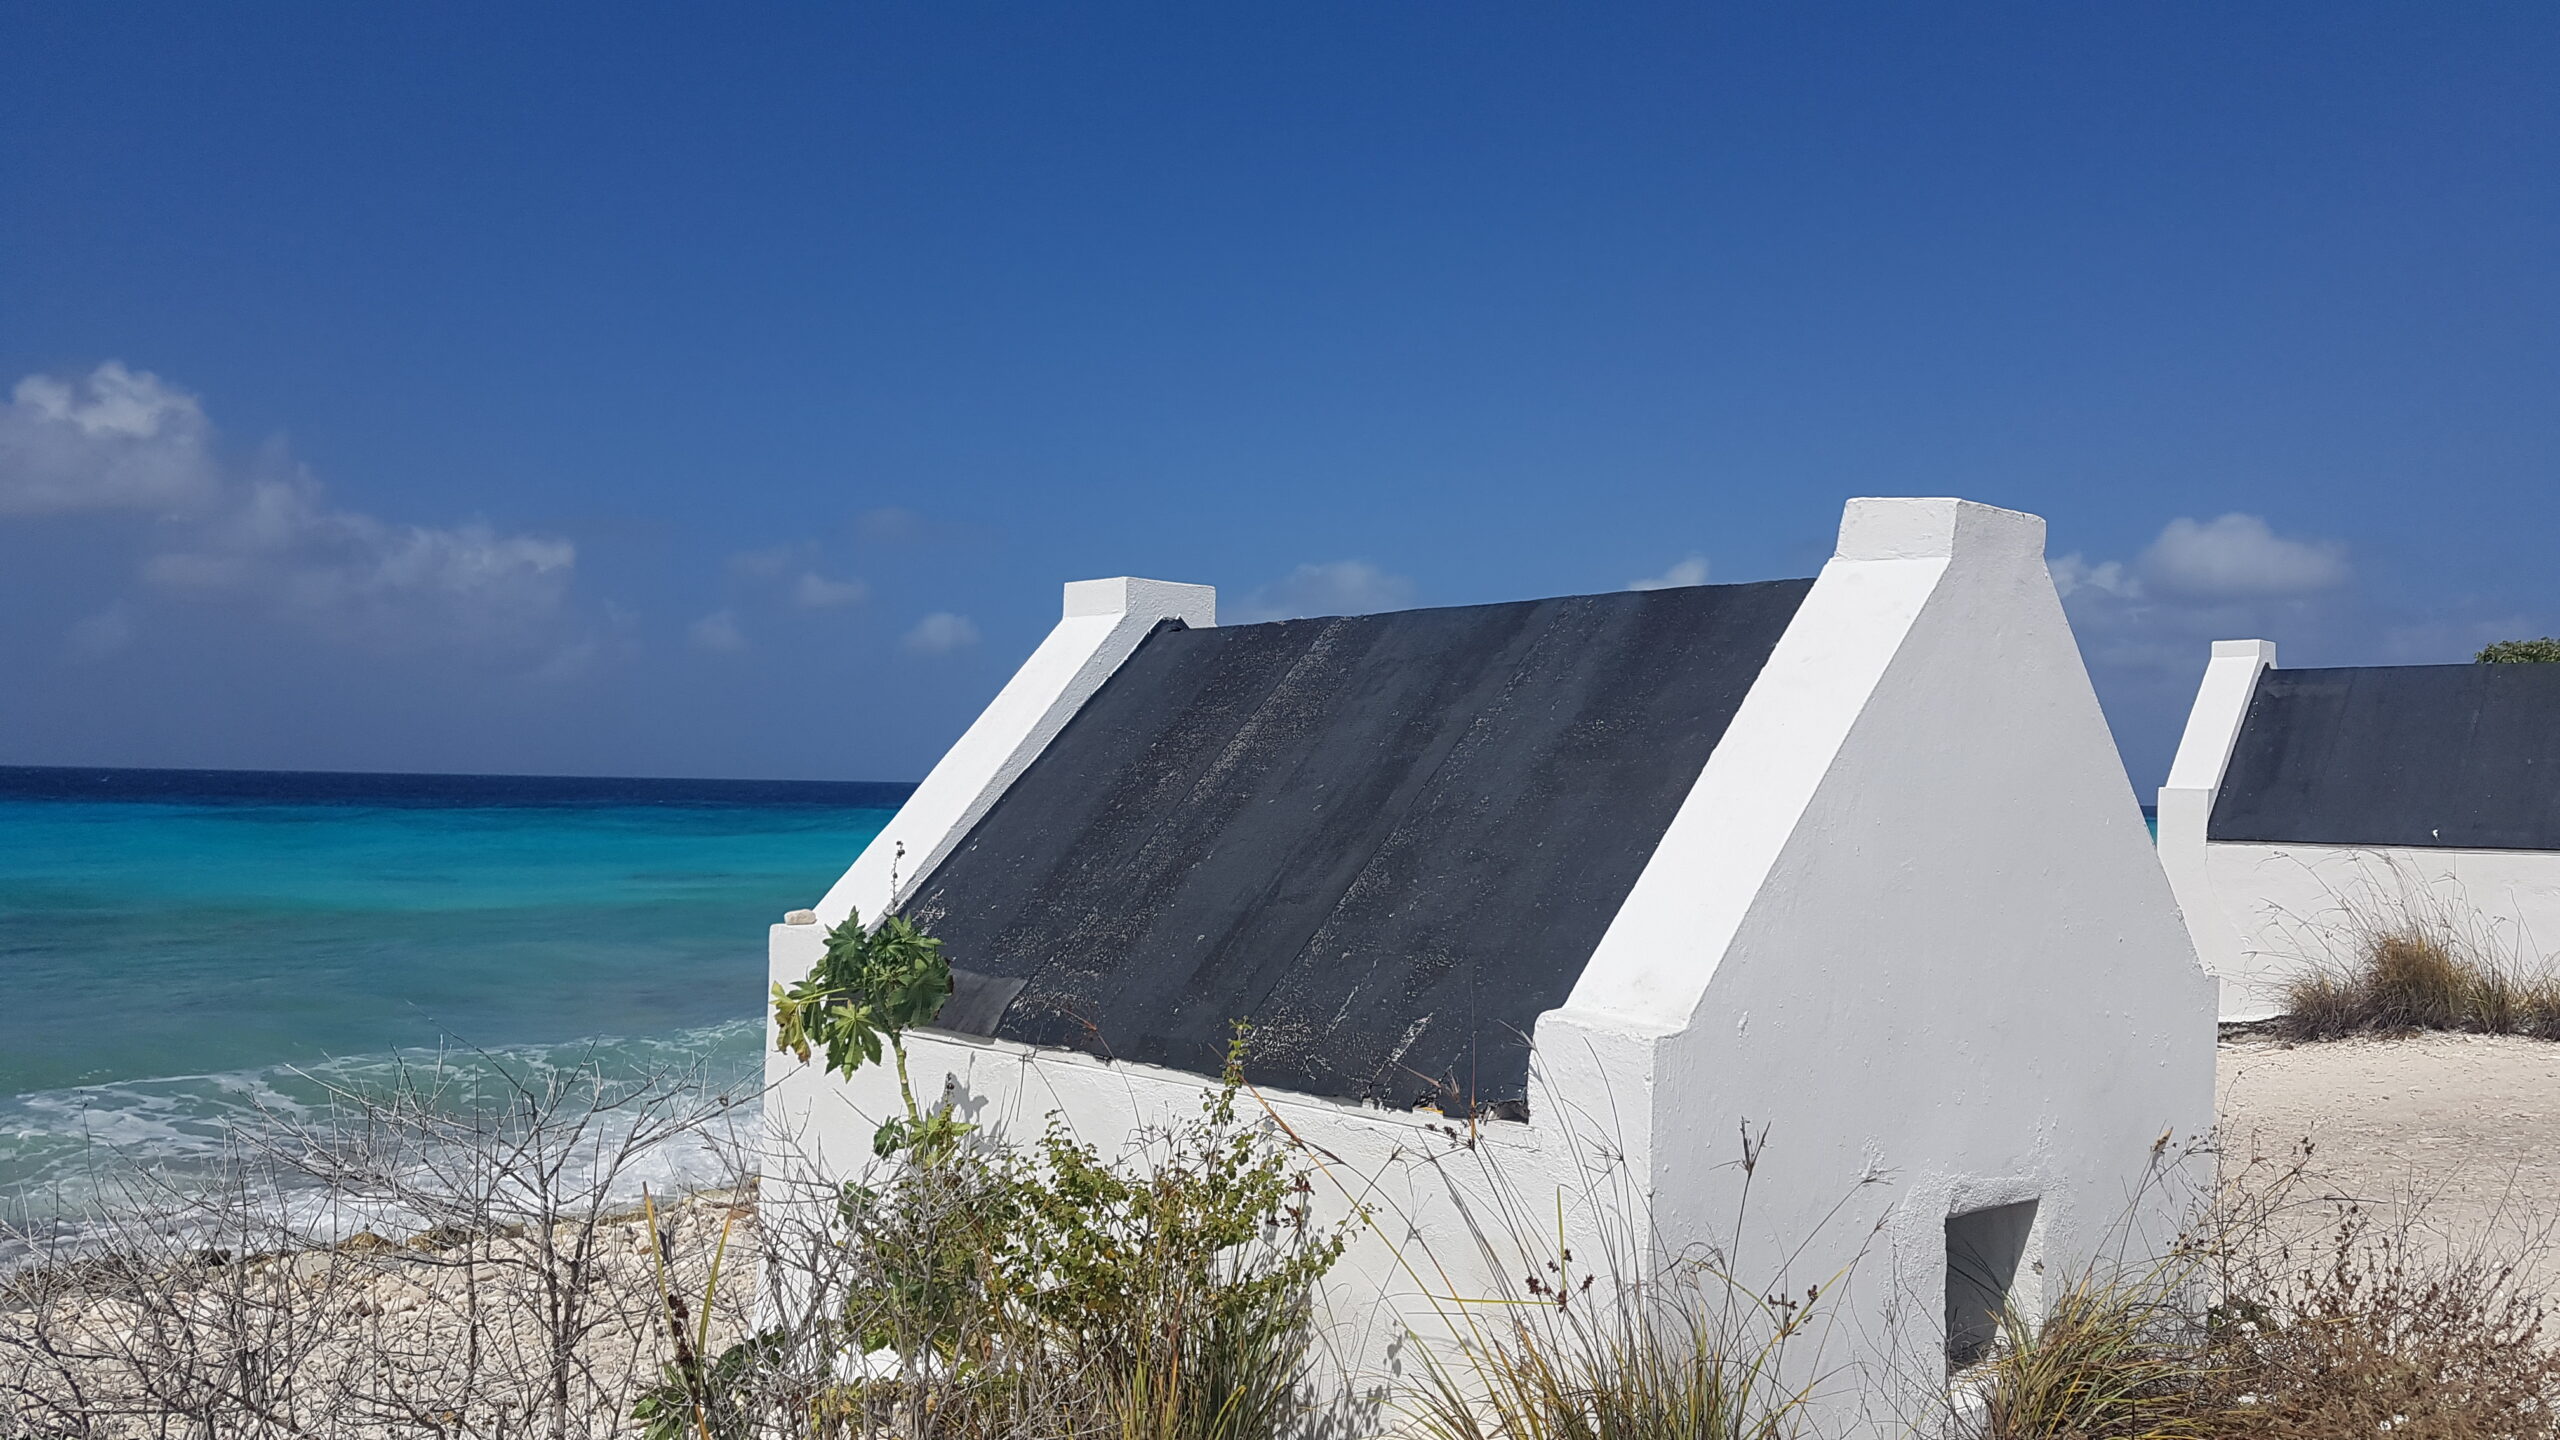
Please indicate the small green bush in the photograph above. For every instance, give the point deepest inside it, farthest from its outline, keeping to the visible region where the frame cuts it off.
(1165, 1293)
(2544, 651)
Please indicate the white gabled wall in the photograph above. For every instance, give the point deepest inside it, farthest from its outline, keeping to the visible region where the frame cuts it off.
(1660, 950)
(2186, 808)
(1959, 981)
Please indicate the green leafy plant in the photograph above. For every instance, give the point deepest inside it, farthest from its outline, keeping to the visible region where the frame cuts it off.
(871, 986)
(1160, 1294)
(2544, 651)
(928, 1236)
(1186, 1279)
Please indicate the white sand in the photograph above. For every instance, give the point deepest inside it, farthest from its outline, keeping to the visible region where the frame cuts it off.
(2460, 1131)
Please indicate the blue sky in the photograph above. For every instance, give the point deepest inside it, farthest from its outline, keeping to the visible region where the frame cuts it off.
(726, 391)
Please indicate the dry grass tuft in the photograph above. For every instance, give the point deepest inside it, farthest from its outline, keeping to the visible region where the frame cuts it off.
(2419, 973)
(1686, 1356)
(2120, 1359)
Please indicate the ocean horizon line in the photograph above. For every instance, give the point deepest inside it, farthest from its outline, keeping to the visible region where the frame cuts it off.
(439, 789)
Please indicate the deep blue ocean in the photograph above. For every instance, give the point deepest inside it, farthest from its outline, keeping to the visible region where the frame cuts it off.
(179, 946)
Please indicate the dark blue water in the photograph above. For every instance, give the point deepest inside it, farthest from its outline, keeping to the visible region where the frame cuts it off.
(177, 944)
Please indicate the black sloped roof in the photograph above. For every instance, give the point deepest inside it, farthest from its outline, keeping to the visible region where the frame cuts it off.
(1388, 842)
(2458, 756)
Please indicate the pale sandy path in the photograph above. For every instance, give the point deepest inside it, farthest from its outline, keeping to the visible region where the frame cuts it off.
(2468, 1123)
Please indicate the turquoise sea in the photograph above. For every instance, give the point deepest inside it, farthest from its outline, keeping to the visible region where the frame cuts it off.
(179, 947)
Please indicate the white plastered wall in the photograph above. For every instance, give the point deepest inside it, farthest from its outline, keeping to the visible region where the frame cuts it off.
(1939, 965)
(2261, 914)
(1907, 920)
(2288, 908)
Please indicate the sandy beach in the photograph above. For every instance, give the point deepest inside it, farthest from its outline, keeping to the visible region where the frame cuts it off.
(2458, 1133)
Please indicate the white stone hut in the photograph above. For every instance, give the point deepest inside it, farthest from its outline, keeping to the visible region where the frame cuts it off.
(1847, 863)
(2307, 807)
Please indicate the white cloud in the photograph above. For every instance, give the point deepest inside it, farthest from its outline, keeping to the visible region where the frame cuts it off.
(813, 591)
(718, 633)
(1339, 587)
(2072, 575)
(2238, 557)
(115, 439)
(940, 633)
(2198, 581)
(1689, 571)
(808, 589)
(264, 534)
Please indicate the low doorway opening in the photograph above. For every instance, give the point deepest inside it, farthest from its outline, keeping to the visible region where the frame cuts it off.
(1984, 1250)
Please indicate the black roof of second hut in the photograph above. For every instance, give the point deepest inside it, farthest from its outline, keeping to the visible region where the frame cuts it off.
(2456, 756)
(1384, 842)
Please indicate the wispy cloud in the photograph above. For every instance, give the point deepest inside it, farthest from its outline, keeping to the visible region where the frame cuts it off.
(95, 637)
(773, 569)
(2073, 574)
(889, 525)
(717, 633)
(1338, 587)
(1691, 570)
(813, 591)
(941, 633)
(280, 545)
(264, 534)
(772, 561)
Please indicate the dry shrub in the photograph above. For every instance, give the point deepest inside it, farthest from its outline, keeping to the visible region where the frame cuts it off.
(264, 1300)
(2413, 982)
(2374, 1337)
(2354, 1331)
